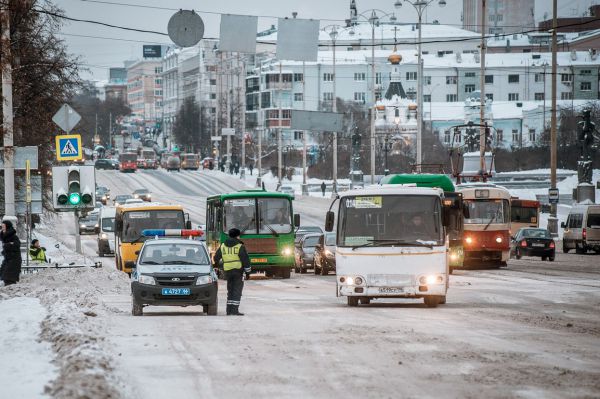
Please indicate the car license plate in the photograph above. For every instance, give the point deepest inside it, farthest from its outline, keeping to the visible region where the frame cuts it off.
(391, 290)
(258, 260)
(176, 291)
(535, 244)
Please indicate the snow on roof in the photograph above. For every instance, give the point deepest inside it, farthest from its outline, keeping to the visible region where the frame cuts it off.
(375, 190)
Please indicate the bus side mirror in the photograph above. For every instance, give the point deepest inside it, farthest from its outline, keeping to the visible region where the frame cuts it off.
(329, 219)
(563, 225)
(466, 212)
(297, 219)
(446, 217)
(188, 225)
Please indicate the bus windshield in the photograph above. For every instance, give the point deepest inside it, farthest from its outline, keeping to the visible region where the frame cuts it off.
(134, 222)
(148, 154)
(487, 211)
(522, 214)
(388, 219)
(258, 216)
(127, 157)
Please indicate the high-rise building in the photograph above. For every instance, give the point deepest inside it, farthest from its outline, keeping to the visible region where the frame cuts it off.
(503, 16)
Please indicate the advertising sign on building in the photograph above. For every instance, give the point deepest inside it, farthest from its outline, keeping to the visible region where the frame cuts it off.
(152, 51)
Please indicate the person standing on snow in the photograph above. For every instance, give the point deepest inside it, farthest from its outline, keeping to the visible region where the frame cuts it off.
(37, 253)
(11, 250)
(236, 262)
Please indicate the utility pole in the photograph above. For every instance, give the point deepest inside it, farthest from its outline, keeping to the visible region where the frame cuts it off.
(552, 220)
(7, 114)
(304, 174)
(374, 100)
(482, 165)
(335, 135)
(279, 130)
(110, 130)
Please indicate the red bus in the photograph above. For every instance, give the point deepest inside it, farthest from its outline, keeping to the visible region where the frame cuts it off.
(524, 213)
(128, 162)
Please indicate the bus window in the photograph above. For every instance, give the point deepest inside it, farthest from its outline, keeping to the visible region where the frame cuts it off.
(108, 225)
(275, 215)
(487, 211)
(134, 222)
(240, 214)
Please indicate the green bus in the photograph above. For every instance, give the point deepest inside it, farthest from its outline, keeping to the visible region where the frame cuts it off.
(456, 224)
(265, 220)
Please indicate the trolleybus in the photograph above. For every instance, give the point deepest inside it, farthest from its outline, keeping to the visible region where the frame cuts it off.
(128, 162)
(524, 213)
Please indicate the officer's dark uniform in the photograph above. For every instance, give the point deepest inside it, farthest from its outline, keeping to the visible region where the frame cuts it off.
(235, 263)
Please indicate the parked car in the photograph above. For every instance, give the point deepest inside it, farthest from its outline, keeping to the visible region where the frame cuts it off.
(325, 254)
(88, 224)
(533, 242)
(173, 163)
(143, 194)
(304, 230)
(121, 198)
(286, 190)
(582, 229)
(305, 251)
(106, 164)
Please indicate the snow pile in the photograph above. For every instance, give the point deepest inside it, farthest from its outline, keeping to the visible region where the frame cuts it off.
(72, 298)
(25, 369)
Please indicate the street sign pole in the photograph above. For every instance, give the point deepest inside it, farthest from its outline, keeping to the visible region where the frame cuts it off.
(28, 205)
(77, 235)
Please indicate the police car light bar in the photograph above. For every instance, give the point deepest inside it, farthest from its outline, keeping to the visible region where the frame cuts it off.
(171, 233)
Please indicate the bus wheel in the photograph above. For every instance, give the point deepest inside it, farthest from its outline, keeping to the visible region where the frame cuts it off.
(352, 301)
(285, 272)
(579, 250)
(442, 300)
(431, 301)
(365, 300)
(565, 248)
(451, 270)
(137, 309)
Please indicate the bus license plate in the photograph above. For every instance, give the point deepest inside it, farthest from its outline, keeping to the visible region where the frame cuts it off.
(391, 290)
(176, 291)
(258, 260)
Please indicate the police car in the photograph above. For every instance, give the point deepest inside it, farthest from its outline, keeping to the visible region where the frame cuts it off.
(172, 270)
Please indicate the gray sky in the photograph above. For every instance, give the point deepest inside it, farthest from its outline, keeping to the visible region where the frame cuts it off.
(100, 54)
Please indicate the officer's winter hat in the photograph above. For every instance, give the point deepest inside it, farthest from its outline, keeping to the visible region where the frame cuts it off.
(234, 233)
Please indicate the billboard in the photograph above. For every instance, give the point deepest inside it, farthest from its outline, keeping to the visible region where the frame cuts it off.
(152, 50)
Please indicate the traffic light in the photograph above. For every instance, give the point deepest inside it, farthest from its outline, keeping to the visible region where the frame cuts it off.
(73, 187)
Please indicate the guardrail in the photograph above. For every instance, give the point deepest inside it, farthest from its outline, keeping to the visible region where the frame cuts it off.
(36, 267)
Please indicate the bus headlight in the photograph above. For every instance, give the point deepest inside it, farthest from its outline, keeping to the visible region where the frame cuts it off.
(286, 251)
(202, 280)
(431, 279)
(469, 240)
(350, 281)
(149, 280)
(104, 236)
(499, 240)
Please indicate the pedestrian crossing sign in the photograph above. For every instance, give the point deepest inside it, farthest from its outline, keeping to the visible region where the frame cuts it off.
(68, 147)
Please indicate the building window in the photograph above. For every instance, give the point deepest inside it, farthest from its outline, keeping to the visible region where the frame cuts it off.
(298, 134)
(586, 72)
(469, 88)
(513, 78)
(585, 86)
(213, 82)
(513, 96)
(427, 98)
(298, 77)
(566, 95)
(451, 80)
(327, 77)
(469, 74)
(411, 76)
(411, 93)
(327, 96)
(158, 70)
(515, 136)
(213, 96)
(158, 81)
(499, 136)
(489, 96)
(566, 77)
(450, 98)
(539, 96)
(298, 96)
(265, 100)
(447, 137)
(286, 114)
(532, 135)
(359, 96)
(378, 78)
(360, 76)
(539, 77)
(427, 80)
(489, 79)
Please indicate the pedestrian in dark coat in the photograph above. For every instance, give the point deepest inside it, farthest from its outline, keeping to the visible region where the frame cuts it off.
(11, 250)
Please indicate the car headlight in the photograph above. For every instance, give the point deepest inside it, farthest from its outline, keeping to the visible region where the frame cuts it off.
(286, 251)
(82, 226)
(104, 236)
(149, 280)
(202, 280)
(96, 225)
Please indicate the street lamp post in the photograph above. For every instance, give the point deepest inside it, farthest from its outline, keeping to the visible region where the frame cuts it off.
(386, 146)
(333, 34)
(420, 6)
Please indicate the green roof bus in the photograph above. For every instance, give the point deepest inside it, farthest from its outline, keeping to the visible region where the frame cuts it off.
(265, 221)
(456, 226)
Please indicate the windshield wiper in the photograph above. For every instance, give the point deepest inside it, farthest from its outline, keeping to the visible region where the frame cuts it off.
(178, 262)
(247, 226)
(390, 241)
(276, 234)
(491, 220)
(149, 262)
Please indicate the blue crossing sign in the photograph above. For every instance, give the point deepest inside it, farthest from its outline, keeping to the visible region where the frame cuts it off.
(68, 147)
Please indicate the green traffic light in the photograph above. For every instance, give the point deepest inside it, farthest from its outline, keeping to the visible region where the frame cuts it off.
(74, 198)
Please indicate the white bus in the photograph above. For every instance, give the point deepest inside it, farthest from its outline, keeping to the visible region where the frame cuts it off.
(391, 243)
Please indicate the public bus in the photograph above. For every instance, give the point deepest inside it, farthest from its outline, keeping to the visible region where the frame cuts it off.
(190, 161)
(132, 219)
(265, 221)
(147, 159)
(391, 243)
(523, 213)
(452, 199)
(487, 224)
(128, 162)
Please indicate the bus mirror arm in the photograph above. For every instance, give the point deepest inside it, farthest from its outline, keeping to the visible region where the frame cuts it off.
(466, 212)
(329, 220)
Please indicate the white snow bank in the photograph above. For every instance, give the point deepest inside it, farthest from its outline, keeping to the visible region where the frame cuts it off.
(25, 365)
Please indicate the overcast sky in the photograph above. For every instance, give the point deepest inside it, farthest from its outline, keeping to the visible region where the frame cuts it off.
(100, 54)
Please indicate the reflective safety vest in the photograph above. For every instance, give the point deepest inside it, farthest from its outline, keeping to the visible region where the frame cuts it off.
(39, 257)
(231, 257)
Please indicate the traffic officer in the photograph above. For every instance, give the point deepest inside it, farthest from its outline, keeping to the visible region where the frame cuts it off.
(235, 263)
